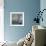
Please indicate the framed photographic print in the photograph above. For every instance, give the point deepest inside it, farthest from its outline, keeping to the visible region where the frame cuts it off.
(16, 18)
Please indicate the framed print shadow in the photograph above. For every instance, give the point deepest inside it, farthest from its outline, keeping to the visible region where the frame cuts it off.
(16, 18)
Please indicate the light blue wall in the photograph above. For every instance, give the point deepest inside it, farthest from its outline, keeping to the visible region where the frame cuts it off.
(43, 6)
(29, 7)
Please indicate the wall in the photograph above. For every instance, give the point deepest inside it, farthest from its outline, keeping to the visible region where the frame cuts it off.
(43, 6)
(29, 7)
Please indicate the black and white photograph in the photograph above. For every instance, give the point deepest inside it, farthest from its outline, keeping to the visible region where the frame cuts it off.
(17, 18)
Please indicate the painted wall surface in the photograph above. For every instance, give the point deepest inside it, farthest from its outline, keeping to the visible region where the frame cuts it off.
(29, 7)
(43, 6)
